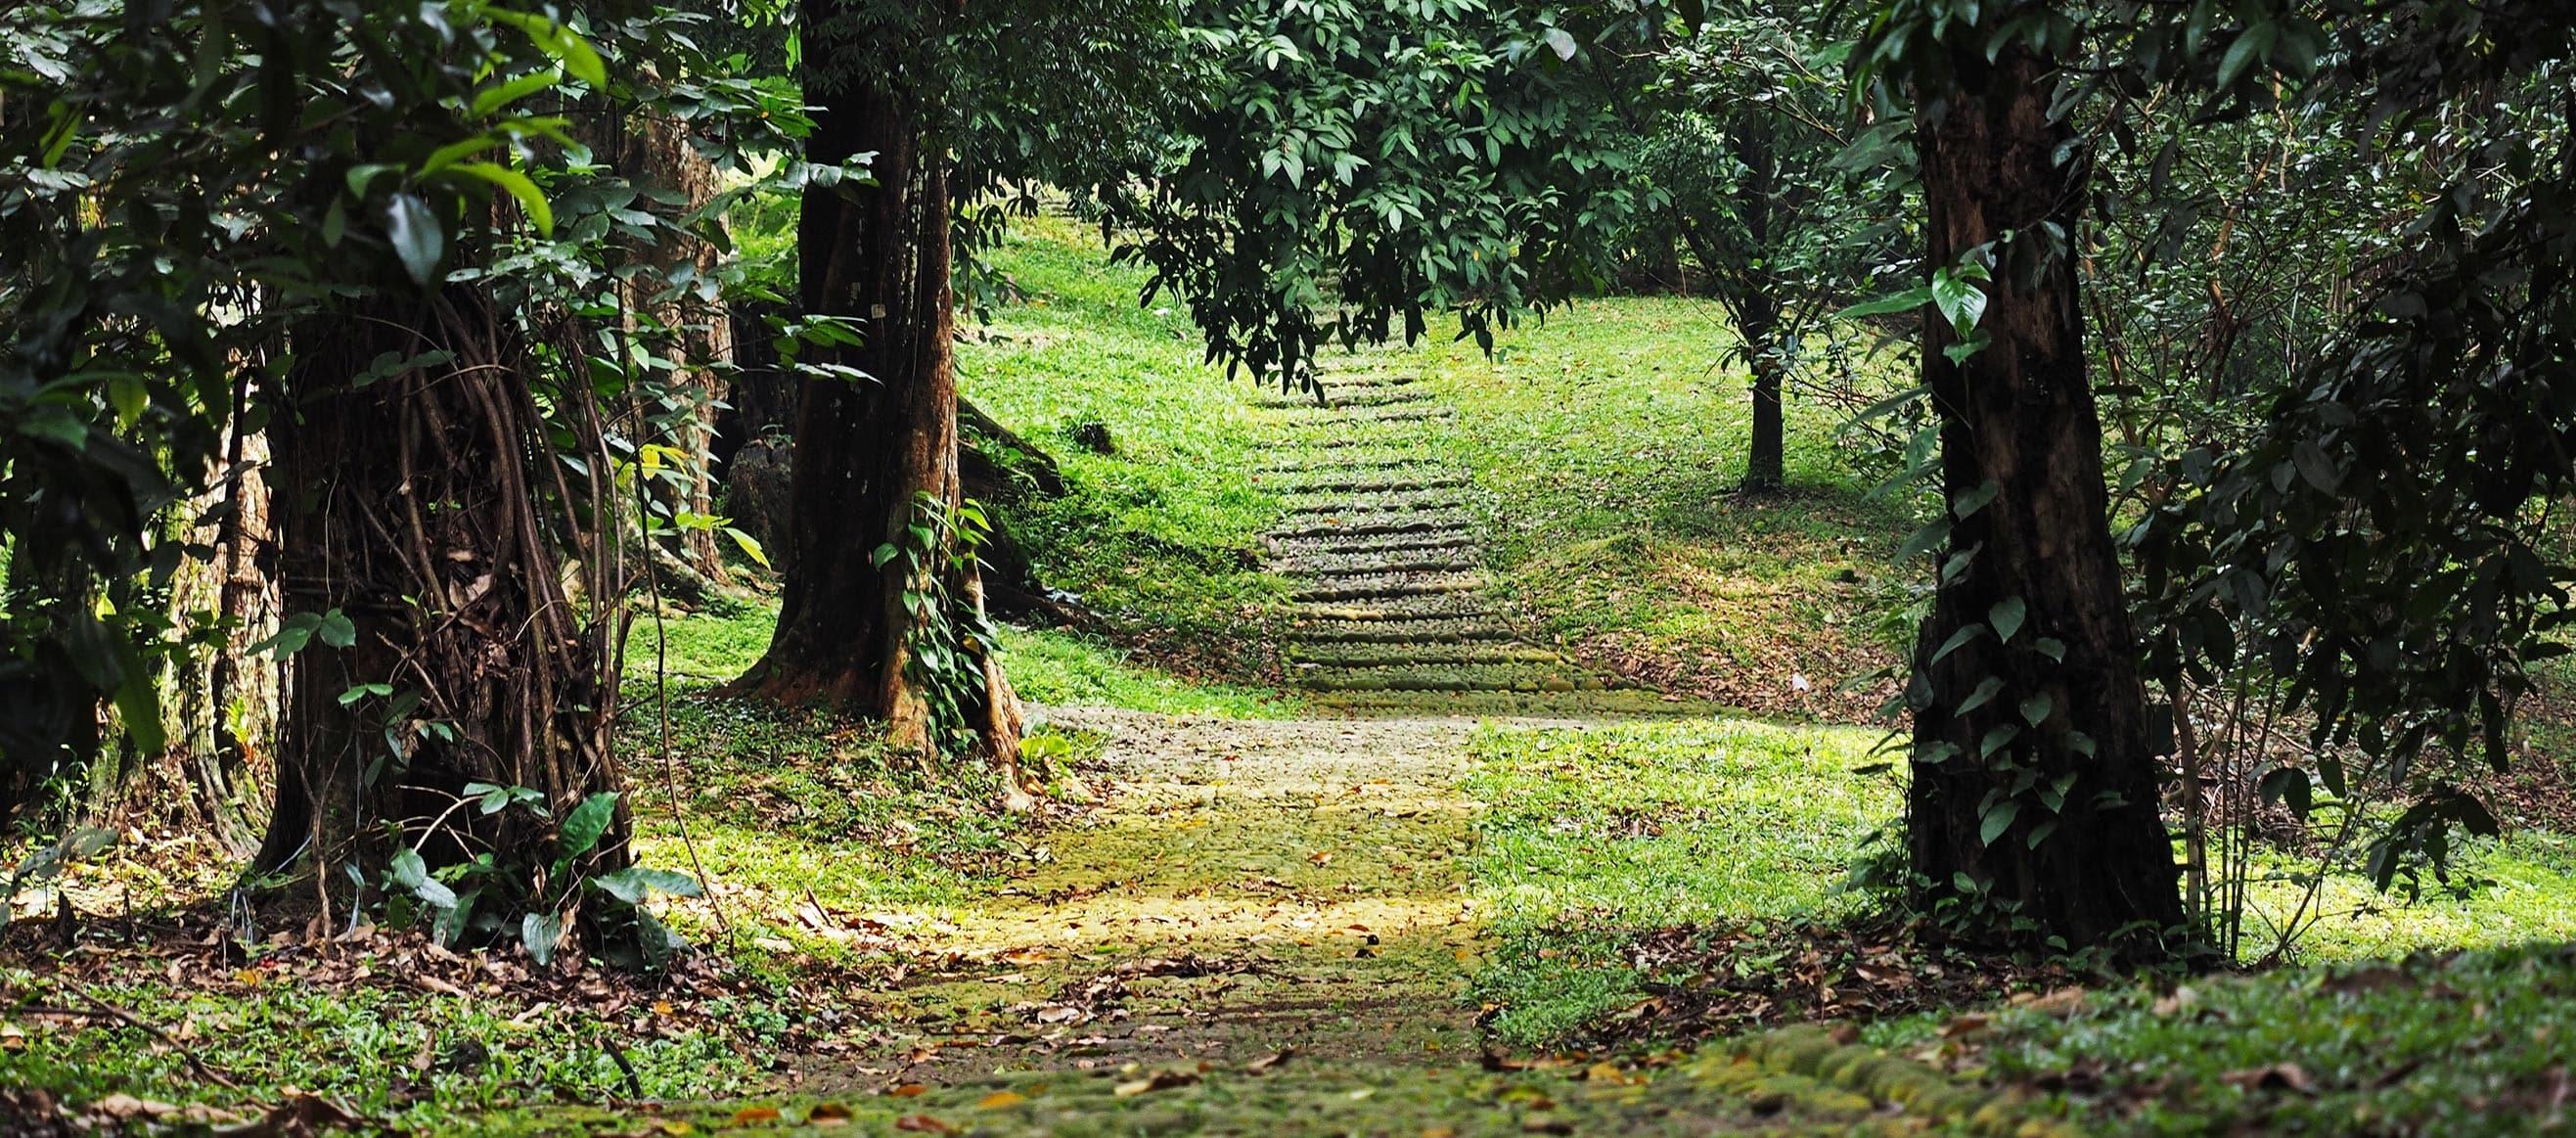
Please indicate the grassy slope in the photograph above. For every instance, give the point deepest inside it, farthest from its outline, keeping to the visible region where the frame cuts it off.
(1160, 537)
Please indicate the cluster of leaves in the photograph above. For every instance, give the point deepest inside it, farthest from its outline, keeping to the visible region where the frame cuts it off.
(1341, 164)
(949, 641)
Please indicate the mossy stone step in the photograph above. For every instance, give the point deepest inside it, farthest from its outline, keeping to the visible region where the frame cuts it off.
(1371, 484)
(1380, 396)
(1407, 499)
(1389, 586)
(1333, 419)
(1313, 654)
(1330, 566)
(1377, 525)
(1350, 464)
(1334, 546)
(1402, 630)
(1446, 677)
(1430, 606)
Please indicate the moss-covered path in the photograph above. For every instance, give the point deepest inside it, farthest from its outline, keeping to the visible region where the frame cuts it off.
(1268, 927)
(1240, 889)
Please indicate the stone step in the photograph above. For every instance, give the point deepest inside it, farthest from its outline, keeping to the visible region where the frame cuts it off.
(1355, 465)
(1401, 630)
(1376, 525)
(1374, 655)
(1333, 545)
(1336, 400)
(1336, 420)
(1325, 567)
(1430, 606)
(1370, 484)
(1390, 502)
(1460, 678)
(1383, 586)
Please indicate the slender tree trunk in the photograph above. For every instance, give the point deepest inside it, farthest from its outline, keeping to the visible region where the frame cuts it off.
(2033, 783)
(428, 509)
(656, 150)
(1763, 463)
(877, 458)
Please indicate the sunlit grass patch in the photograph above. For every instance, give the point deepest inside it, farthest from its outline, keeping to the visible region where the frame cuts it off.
(1593, 836)
(1160, 534)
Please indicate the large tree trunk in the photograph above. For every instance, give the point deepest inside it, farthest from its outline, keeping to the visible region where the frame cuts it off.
(2033, 780)
(876, 460)
(428, 508)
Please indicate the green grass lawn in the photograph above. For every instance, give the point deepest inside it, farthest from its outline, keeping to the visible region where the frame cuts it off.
(1593, 837)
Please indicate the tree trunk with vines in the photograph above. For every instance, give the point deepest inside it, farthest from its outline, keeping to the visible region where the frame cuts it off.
(2033, 808)
(429, 508)
(876, 465)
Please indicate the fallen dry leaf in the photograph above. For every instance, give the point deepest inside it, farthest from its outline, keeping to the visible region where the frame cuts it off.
(1271, 1060)
(828, 1114)
(909, 1090)
(999, 1100)
(923, 1124)
(755, 1115)
(1158, 1081)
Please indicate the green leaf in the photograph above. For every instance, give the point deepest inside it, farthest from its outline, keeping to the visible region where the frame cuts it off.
(1962, 303)
(1906, 301)
(2315, 465)
(2007, 617)
(336, 629)
(491, 99)
(539, 933)
(1999, 818)
(1956, 640)
(2255, 43)
(2035, 709)
(583, 827)
(455, 152)
(408, 872)
(1968, 502)
(634, 883)
(415, 235)
(138, 707)
(750, 546)
(1559, 42)
(518, 186)
(1986, 691)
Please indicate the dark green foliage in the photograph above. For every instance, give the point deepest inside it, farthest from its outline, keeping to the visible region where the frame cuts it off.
(1345, 165)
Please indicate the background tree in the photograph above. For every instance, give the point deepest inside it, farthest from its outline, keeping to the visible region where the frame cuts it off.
(1741, 124)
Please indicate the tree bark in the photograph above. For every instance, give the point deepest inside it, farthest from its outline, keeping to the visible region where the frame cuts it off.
(428, 508)
(876, 458)
(2037, 802)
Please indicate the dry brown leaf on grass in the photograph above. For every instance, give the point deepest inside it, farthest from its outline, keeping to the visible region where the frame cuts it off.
(1158, 1081)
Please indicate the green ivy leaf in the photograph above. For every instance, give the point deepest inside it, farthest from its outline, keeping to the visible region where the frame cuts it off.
(2007, 617)
(1999, 818)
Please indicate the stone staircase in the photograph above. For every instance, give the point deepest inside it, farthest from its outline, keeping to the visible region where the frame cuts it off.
(1393, 609)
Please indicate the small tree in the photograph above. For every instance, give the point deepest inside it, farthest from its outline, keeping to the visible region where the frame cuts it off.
(1741, 126)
